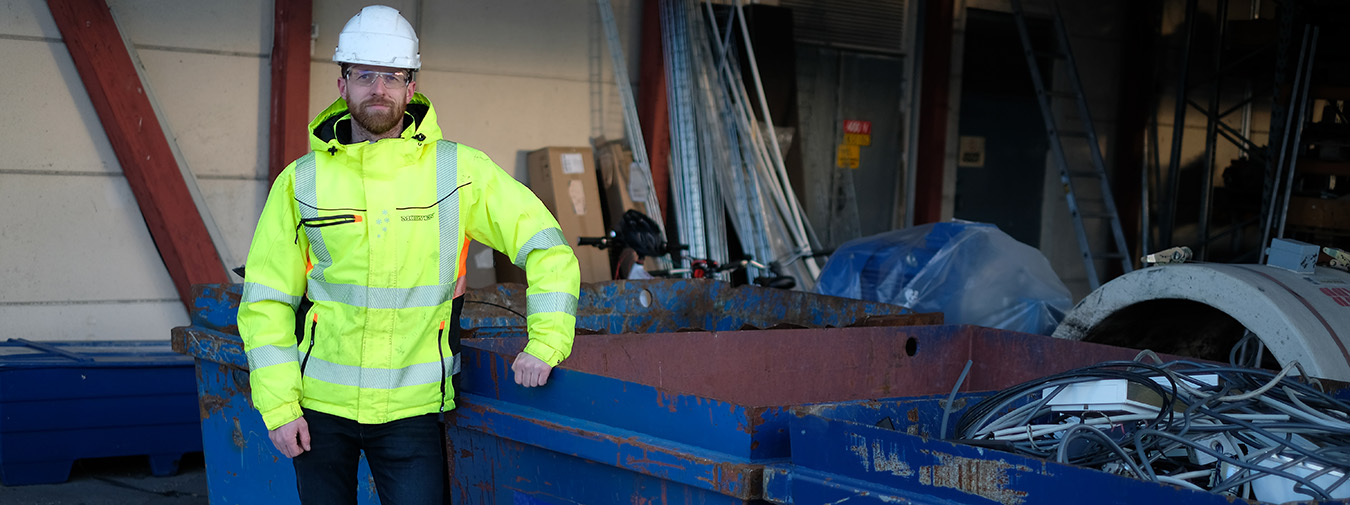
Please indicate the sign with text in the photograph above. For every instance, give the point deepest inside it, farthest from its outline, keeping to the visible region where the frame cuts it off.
(848, 156)
(857, 132)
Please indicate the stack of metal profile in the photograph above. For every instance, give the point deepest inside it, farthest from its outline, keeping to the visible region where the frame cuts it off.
(726, 162)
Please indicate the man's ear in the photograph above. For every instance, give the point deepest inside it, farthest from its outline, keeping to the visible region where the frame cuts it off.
(342, 88)
(412, 90)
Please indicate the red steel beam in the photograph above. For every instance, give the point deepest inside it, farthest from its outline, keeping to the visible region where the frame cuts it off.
(105, 66)
(653, 116)
(933, 109)
(290, 84)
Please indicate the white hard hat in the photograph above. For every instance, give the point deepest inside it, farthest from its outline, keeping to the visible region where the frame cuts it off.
(378, 35)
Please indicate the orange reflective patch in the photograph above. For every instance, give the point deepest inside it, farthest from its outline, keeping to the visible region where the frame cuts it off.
(464, 258)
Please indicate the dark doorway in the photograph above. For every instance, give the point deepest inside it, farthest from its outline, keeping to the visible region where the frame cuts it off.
(998, 105)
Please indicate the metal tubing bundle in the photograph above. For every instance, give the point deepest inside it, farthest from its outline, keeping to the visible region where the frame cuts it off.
(1233, 430)
(630, 118)
(722, 160)
(684, 172)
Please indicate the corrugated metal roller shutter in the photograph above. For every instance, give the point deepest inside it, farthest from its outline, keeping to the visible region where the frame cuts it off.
(876, 25)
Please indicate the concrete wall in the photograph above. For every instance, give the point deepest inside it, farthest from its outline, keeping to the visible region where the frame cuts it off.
(76, 260)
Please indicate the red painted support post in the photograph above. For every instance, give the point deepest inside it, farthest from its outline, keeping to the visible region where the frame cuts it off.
(290, 84)
(653, 116)
(933, 109)
(128, 118)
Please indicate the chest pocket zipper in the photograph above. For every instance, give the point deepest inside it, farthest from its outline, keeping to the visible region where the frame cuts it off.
(322, 221)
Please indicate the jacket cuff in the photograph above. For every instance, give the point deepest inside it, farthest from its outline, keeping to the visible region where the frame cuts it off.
(279, 416)
(545, 353)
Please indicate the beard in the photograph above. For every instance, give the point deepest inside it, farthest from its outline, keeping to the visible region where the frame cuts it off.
(378, 121)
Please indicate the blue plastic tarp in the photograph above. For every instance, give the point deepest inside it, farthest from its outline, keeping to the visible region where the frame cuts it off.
(971, 272)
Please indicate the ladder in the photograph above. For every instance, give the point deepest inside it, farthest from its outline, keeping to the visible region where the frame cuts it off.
(1069, 176)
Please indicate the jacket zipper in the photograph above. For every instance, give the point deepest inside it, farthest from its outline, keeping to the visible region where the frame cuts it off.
(441, 350)
(305, 361)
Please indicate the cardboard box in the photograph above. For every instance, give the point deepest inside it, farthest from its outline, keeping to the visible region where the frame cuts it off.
(564, 179)
(615, 167)
(618, 189)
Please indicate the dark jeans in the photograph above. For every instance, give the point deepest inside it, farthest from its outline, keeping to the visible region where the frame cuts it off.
(406, 458)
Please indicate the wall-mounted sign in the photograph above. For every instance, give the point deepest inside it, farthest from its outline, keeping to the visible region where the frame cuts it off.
(848, 156)
(971, 152)
(857, 132)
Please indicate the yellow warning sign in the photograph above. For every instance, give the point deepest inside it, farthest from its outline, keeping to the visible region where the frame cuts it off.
(858, 139)
(848, 156)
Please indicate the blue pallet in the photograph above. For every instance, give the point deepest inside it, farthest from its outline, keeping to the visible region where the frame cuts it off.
(839, 452)
(63, 401)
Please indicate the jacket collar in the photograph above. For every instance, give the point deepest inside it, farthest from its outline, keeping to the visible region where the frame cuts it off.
(330, 131)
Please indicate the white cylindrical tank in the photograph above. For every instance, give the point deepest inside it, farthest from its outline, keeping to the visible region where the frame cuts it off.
(1197, 309)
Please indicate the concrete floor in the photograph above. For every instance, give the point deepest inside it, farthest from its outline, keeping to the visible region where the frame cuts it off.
(117, 481)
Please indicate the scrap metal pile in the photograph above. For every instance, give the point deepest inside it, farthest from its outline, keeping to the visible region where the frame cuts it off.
(1250, 433)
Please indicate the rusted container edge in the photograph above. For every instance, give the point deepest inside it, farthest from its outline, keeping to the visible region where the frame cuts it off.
(637, 452)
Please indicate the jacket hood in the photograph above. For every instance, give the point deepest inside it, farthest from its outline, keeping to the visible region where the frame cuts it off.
(331, 130)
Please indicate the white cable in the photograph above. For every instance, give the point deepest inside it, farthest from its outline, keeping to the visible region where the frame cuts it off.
(1173, 480)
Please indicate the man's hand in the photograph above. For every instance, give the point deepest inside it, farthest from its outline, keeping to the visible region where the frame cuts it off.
(287, 436)
(530, 371)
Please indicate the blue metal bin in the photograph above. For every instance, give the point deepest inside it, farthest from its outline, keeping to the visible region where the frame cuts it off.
(654, 417)
(696, 417)
(243, 467)
(888, 452)
(62, 401)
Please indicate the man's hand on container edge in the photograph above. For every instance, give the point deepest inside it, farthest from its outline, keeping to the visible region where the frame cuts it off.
(530, 371)
(285, 437)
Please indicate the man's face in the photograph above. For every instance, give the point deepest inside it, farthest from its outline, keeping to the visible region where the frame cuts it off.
(377, 96)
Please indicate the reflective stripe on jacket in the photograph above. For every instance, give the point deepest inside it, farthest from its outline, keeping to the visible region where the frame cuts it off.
(374, 233)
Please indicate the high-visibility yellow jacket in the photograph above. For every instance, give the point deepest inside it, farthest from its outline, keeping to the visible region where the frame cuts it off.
(374, 233)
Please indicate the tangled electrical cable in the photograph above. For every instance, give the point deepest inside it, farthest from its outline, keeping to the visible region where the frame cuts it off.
(1247, 432)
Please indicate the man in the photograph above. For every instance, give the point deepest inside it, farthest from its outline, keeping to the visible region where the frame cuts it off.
(371, 227)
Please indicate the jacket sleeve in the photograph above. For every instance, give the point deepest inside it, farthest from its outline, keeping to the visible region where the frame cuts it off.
(505, 215)
(273, 285)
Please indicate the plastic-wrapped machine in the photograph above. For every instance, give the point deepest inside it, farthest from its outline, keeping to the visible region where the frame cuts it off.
(971, 272)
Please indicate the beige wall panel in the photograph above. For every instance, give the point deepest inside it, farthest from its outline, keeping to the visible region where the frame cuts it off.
(217, 108)
(503, 116)
(228, 26)
(77, 238)
(27, 18)
(506, 78)
(506, 117)
(116, 320)
(550, 38)
(60, 131)
(235, 205)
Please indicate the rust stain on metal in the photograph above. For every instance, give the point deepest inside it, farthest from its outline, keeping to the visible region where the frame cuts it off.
(980, 477)
(913, 415)
(210, 404)
(237, 436)
(738, 480)
(666, 400)
(875, 457)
